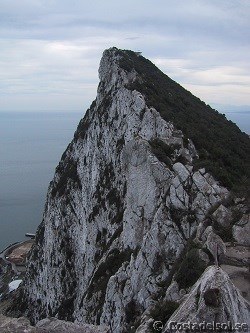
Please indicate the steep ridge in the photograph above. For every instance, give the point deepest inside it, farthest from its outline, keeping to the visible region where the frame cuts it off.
(213, 300)
(216, 138)
(125, 201)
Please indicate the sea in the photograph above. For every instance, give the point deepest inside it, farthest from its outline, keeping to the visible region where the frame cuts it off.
(31, 145)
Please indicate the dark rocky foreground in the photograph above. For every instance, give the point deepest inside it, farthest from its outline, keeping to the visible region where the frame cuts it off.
(52, 325)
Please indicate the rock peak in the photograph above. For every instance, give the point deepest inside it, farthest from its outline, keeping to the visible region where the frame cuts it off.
(125, 201)
(214, 298)
(112, 73)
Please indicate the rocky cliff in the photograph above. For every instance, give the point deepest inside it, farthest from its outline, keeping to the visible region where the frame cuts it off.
(124, 205)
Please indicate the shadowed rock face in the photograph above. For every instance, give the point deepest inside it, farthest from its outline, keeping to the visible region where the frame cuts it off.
(124, 201)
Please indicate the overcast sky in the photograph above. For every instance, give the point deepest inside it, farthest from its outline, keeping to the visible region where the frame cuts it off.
(50, 49)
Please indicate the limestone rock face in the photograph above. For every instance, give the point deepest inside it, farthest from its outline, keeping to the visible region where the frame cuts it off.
(213, 298)
(223, 216)
(124, 201)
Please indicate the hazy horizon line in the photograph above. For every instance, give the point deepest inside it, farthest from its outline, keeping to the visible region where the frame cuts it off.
(219, 107)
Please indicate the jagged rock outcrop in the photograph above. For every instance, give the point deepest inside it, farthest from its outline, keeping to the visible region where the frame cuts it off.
(17, 325)
(214, 244)
(124, 201)
(241, 230)
(213, 299)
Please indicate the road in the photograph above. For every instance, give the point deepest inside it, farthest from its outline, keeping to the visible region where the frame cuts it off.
(17, 268)
(3, 256)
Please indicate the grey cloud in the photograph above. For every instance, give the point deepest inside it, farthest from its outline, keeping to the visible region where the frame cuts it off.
(52, 46)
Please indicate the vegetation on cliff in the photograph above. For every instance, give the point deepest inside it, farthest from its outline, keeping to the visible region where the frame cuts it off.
(223, 149)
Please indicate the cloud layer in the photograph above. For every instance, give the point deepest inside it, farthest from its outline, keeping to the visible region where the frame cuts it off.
(50, 50)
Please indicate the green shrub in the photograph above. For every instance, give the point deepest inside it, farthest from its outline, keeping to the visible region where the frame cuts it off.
(162, 151)
(163, 311)
(190, 269)
(133, 311)
(226, 233)
(67, 172)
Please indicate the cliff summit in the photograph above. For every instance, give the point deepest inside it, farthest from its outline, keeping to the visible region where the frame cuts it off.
(123, 236)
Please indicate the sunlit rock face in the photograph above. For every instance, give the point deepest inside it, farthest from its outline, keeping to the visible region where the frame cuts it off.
(124, 201)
